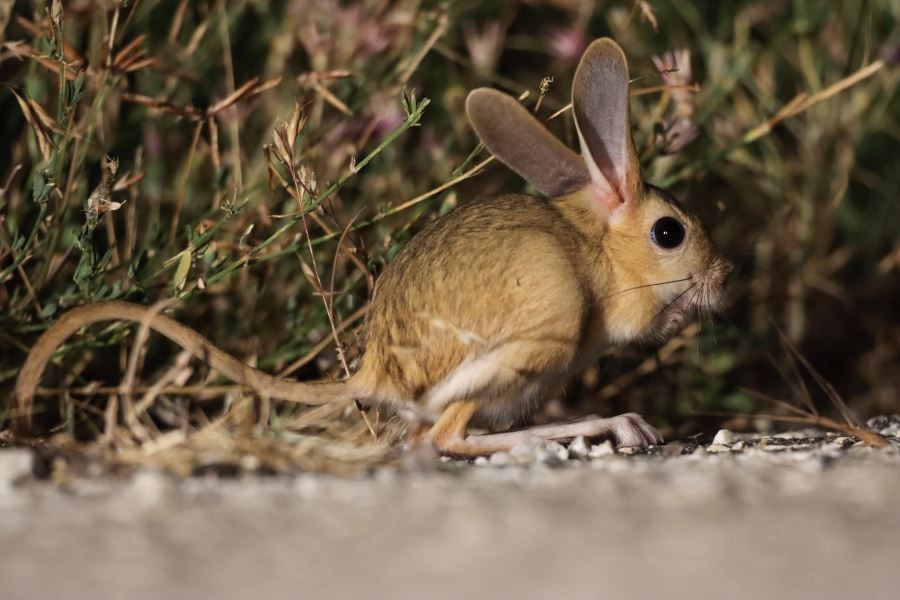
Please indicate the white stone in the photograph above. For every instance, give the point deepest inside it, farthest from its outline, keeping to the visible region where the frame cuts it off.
(724, 436)
(579, 447)
(526, 452)
(500, 459)
(250, 463)
(738, 445)
(148, 488)
(718, 448)
(602, 449)
(767, 445)
(481, 461)
(885, 425)
(552, 453)
(15, 465)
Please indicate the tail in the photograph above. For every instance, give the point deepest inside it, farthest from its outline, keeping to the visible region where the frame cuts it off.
(189, 339)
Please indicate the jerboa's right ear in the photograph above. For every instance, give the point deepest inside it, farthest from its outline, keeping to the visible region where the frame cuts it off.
(522, 143)
(603, 120)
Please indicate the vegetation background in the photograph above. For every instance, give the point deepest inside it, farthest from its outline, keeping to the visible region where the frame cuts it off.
(258, 163)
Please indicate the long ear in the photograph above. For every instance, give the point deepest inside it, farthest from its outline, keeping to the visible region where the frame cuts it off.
(603, 120)
(522, 143)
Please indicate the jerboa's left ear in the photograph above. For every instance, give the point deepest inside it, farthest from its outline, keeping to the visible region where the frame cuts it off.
(520, 141)
(603, 120)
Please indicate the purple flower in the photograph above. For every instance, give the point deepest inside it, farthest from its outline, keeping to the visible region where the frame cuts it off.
(567, 43)
(485, 46)
(675, 69)
(678, 127)
(891, 55)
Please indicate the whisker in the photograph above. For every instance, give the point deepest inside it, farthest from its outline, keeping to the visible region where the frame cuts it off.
(674, 300)
(646, 285)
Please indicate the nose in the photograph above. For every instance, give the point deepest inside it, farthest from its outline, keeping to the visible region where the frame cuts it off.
(722, 269)
(727, 268)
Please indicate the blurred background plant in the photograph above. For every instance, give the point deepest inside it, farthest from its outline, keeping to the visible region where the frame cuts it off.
(259, 163)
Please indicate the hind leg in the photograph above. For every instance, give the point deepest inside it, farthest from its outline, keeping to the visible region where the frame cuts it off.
(448, 434)
(627, 430)
(449, 438)
(521, 370)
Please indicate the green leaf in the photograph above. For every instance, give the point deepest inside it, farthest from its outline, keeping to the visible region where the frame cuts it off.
(49, 310)
(184, 267)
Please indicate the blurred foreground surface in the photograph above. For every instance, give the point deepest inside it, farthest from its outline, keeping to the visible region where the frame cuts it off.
(802, 520)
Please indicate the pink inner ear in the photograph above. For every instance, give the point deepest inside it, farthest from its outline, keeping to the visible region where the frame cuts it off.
(607, 197)
(608, 201)
(600, 105)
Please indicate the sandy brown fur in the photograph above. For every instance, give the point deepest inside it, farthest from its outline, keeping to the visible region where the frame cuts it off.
(524, 295)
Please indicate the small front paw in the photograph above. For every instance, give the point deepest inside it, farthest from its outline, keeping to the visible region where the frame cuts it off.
(630, 430)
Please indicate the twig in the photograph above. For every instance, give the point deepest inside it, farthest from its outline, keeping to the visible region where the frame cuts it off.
(215, 391)
(442, 23)
(183, 184)
(140, 340)
(869, 437)
(810, 415)
(821, 381)
(234, 125)
(650, 364)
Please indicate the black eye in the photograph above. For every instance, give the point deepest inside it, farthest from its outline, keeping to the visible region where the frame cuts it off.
(667, 233)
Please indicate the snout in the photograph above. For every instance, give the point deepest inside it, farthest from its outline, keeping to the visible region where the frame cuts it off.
(726, 269)
(713, 280)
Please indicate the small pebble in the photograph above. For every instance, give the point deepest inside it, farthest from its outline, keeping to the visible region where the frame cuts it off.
(802, 446)
(526, 452)
(602, 449)
(420, 457)
(552, 453)
(628, 450)
(738, 446)
(579, 447)
(885, 424)
(15, 465)
(673, 449)
(724, 436)
(250, 463)
(500, 459)
(718, 448)
(768, 446)
(149, 487)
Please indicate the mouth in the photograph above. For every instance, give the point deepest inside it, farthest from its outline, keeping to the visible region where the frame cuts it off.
(675, 313)
(705, 293)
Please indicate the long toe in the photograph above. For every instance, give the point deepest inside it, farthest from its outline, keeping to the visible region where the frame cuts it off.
(631, 430)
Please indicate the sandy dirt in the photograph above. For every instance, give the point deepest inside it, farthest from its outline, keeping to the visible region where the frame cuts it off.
(820, 521)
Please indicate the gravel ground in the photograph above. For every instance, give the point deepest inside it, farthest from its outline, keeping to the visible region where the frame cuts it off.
(792, 516)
